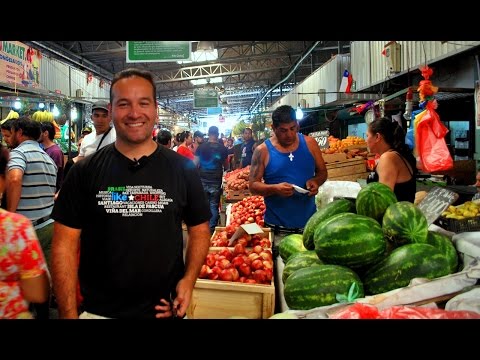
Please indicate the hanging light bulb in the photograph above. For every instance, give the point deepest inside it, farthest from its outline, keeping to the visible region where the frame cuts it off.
(299, 113)
(407, 115)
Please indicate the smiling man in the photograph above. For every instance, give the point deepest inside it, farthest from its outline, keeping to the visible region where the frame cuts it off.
(114, 199)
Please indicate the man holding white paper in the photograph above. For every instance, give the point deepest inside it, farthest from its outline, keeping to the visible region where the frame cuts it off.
(292, 167)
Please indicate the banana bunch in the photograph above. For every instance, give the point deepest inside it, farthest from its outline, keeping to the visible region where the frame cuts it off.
(11, 115)
(466, 210)
(43, 116)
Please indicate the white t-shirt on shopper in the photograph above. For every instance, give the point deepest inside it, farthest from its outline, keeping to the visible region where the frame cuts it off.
(91, 141)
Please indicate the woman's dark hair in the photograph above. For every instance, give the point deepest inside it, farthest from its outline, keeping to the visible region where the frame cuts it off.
(147, 75)
(184, 135)
(4, 156)
(283, 115)
(394, 135)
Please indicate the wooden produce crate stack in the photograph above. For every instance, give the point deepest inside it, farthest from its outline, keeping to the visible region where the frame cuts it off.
(347, 170)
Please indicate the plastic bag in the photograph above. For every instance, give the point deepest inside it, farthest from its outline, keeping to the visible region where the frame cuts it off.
(430, 141)
(364, 311)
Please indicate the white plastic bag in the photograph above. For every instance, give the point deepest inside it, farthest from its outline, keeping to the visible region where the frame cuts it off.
(331, 189)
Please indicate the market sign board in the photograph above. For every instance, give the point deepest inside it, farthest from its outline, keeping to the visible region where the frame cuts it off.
(321, 137)
(19, 64)
(205, 98)
(158, 51)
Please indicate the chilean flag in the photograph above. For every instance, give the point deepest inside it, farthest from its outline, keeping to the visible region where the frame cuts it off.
(346, 83)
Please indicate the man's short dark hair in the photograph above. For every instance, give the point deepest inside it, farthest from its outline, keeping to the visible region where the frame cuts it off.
(126, 73)
(164, 136)
(213, 130)
(7, 125)
(30, 128)
(283, 115)
(48, 126)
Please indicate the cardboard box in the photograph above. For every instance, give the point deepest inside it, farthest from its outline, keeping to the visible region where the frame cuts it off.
(236, 195)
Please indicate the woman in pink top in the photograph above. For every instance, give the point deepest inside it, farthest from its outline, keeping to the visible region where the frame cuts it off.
(185, 143)
(23, 270)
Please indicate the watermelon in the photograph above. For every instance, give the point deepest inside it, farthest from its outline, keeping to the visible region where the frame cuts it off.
(402, 265)
(404, 223)
(318, 285)
(332, 208)
(446, 247)
(350, 240)
(289, 245)
(300, 260)
(374, 199)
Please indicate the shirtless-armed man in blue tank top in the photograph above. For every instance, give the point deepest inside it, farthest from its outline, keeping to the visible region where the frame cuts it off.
(288, 158)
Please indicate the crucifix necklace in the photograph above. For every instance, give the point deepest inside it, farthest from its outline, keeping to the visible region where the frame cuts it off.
(291, 156)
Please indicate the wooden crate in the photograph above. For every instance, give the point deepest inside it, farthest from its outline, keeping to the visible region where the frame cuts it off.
(347, 167)
(215, 299)
(331, 158)
(353, 177)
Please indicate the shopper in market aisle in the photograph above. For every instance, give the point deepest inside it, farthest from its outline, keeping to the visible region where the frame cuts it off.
(6, 129)
(164, 137)
(477, 184)
(186, 141)
(103, 134)
(23, 270)
(211, 159)
(283, 161)
(31, 175)
(197, 141)
(396, 166)
(31, 185)
(113, 199)
(52, 149)
(247, 147)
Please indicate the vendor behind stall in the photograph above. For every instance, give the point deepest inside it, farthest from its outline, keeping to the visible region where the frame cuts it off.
(477, 184)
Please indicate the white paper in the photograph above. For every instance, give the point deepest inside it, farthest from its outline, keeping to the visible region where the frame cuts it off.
(300, 189)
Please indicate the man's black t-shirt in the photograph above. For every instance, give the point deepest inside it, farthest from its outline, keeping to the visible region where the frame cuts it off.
(130, 214)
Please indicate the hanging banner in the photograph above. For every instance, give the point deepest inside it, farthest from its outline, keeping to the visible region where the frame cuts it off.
(19, 64)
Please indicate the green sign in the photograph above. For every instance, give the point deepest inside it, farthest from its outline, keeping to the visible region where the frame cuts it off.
(157, 51)
(205, 98)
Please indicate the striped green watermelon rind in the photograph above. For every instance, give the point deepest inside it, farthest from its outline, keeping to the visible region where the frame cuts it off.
(350, 240)
(374, 199)
(333, 208)
(446, 247)
(404, 223)
(404, 264)
(318, 285)
(290, 245)
(300, 260)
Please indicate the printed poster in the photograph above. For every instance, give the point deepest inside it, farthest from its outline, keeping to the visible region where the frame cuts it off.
(19, 64)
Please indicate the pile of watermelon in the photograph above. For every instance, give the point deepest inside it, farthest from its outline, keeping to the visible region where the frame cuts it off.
(374, 246)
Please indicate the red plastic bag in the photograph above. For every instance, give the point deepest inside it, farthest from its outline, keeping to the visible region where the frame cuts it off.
(365, 311)
(430, 141)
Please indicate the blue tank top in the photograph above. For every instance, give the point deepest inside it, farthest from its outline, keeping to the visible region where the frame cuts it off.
(295, 168)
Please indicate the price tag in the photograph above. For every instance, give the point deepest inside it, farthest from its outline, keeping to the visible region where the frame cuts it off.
(435, 202)
(321, 137)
